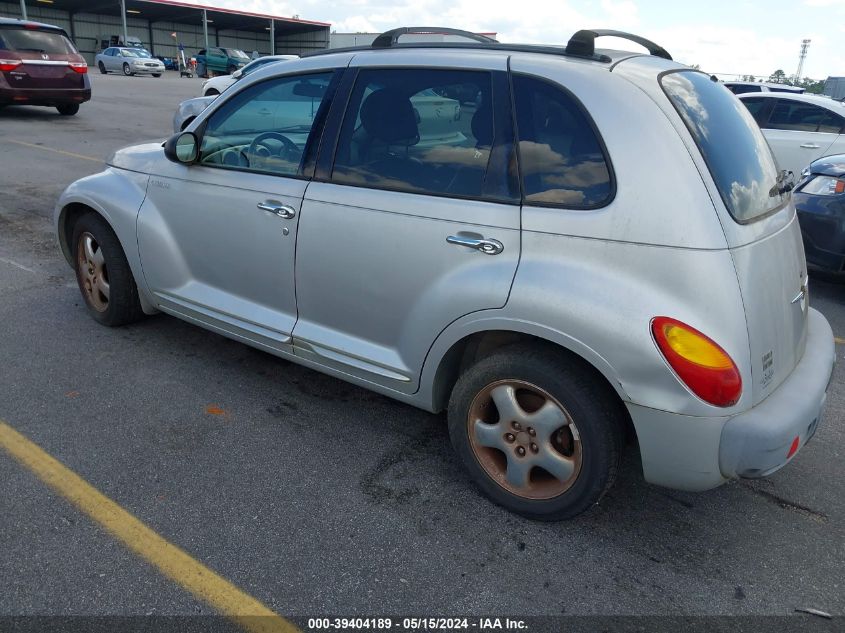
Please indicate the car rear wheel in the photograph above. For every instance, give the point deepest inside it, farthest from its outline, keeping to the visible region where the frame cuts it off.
(68, 109)
(102, 68)
(127, 70)
(103, 274)
(540, 433)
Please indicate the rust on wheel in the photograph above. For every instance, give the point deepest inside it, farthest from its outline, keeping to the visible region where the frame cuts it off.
(92, 272)
(524, 439)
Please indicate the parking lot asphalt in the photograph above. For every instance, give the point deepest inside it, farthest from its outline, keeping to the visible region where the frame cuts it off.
(315, 496)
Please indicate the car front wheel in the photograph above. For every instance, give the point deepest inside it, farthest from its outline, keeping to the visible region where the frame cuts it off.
(540, 433)
(156, 74)
(127, 70)
(103, 274)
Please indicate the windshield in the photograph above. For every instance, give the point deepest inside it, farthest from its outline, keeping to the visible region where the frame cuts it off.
(128, 52)
(35, 40)
(143, 53)
(737, 155)
(234, 52)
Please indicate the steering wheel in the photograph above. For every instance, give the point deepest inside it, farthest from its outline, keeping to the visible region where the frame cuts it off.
(260, 149)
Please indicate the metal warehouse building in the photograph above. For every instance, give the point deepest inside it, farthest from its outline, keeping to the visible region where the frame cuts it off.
(96, 24)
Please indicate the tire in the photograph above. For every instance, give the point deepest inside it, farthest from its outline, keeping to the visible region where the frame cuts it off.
(115, 302)
(127, 70)
(211, 92)
(580, 436)
(68, 109)
(156, 74)
(102, 68)
(231, 69)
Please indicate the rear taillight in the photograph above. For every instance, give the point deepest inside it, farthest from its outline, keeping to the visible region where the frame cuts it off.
(80, 67)
(700, 363)
(9, 64)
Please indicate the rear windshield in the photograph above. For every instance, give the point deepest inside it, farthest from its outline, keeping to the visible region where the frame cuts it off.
(736, 153)
(35, 40)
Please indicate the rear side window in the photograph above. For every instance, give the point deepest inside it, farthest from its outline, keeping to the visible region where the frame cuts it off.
(560, 158)
(35, 41)
(737, 155)
(428, 131)
(832, 123)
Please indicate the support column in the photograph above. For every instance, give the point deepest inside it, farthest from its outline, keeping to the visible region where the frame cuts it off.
(205, 28)
(23, 9)
(272, 36)
(123, 20)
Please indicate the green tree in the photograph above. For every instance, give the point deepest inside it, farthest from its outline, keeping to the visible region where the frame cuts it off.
(779, 77)
(811, 85)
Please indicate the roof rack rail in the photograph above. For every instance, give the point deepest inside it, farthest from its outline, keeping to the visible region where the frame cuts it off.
(583, 43)
(391, 38)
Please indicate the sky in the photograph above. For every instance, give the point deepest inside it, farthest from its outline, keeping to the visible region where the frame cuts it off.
(723, 37)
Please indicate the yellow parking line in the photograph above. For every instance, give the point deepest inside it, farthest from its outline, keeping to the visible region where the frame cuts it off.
(173, 562)
(57, 151)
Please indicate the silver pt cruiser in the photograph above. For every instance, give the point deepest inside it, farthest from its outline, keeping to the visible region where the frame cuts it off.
(602, 248)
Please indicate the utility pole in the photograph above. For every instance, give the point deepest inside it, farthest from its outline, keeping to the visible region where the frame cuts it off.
(23, 9)
(205, 28)
(123, 20)
(805, 44)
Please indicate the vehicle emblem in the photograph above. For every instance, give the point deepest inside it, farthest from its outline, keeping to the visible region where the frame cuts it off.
(43, 56)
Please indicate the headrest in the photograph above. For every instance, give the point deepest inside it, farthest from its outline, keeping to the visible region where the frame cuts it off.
(388, 116)
(482, 126)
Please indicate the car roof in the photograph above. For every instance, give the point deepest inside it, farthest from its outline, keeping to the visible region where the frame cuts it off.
(819, 100)
(30, 23)
(580, 47)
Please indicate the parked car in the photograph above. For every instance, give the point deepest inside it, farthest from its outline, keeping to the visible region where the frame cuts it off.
(543, 281)
(188, 110)
(39, 65)
(129, 61)
(216, 85)
(742, 87)
(820, 202)
(223, 61)
(798, 128)
(170, 63)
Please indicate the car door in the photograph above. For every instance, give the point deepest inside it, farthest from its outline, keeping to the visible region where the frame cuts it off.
(796, 135)
(405, 234)
(217, 238)
(109, 59)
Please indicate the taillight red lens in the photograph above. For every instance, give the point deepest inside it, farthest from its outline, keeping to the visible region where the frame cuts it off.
(9, 64)
(700, 363)
(80, 67)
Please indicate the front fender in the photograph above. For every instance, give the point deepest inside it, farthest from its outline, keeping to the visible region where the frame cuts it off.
(117, 196)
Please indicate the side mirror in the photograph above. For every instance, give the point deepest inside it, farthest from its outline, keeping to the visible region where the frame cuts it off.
(182, 148)
(237, 74)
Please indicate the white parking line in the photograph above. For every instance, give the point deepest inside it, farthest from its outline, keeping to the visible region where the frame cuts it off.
(17, 265)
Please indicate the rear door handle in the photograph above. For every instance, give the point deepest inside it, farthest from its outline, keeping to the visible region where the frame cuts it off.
(810, 146)
(486, 246)
(282, 210)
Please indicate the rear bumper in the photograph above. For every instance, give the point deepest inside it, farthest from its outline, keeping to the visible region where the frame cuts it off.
(699, 453)
(757, 443)
(11, 96)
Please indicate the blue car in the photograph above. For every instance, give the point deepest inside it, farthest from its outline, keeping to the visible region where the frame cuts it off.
(820, 201)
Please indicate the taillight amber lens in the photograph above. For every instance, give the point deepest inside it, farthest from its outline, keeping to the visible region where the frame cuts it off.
(700, 363)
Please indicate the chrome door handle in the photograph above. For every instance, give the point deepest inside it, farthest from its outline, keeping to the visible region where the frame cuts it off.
(810, 146)
(486, 246)
(282, 210)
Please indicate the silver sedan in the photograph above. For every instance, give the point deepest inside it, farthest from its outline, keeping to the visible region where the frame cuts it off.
(129, 61)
